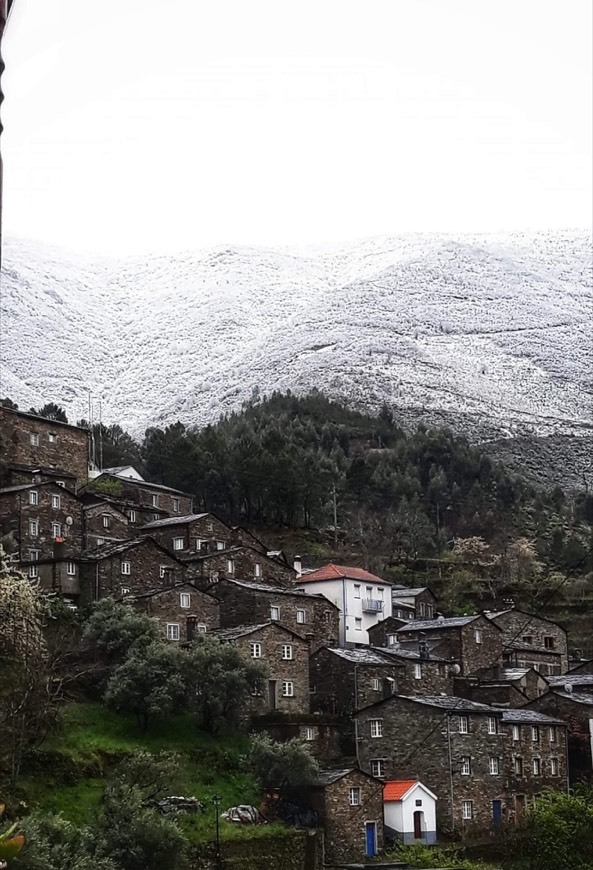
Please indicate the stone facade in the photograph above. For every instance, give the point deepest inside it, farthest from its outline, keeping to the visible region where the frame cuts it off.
(182, 610)
(285, 656)
(384, 633)
(36, 442)
(509, 687)
(474, 642)
(519, 655)
(128, 568)
(148, 496)
(242, 563)
(420, 600)
(346, 802)
(422, 675)
(321, 733)
(344, 680)
(104, 524)
(575, 709)
(194, 533)
(42, 519)
(533, 633)
(245, 603)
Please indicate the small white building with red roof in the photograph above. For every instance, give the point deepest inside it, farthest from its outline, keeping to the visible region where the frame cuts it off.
(363, 598)
(409, 811)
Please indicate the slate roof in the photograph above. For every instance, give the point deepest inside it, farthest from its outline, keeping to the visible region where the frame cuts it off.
(433, 624)
(106, 550)
(21, 487)
(341, 572)
(414, 655)
(577, 697)
(513, 674)
(441, 702)
(174, 521)
(529, 717)
(364, 656)
(237, 631)
(278, 590)
(327, 777)
(145, 483)
(409, 591)
(571, 680)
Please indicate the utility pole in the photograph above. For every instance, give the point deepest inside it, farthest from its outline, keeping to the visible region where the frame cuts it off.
(335, 516)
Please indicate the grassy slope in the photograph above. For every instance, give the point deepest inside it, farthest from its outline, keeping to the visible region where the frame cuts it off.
(75, 762)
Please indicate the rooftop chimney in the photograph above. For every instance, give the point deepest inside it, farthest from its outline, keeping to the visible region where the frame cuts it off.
(297, 565)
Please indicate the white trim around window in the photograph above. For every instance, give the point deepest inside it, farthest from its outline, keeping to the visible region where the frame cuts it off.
(173, 631)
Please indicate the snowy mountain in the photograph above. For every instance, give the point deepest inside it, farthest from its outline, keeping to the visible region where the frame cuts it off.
(491, 334)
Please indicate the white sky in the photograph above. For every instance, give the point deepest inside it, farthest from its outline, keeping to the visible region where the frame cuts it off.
(166, 124)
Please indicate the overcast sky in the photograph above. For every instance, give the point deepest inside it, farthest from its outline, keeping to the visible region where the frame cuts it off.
(164, 124)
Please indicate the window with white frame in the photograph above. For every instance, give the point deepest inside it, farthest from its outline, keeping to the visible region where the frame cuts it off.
(125, 590)
(34, 439)
(378, 767)
(369, 591)
(357, 590)
(33, 527)
(221, 545)
(466, 765)
(201, 628)
(380, 591)
(163, 571)
(60, 482)
(537, 766)
(34, 555)
(553, 767)
(417, 671)
(516, 732)
(391, 639)
(176, 505)
(100, 541)
(478, 635)
(494, 765)
(178, 543)
(301, 617)
(155, 517)
(552, 734)
(230, 566)
(255, 650)
(535, 733)
(518, 766)
(463, 725)
(287, 689)
(52, 437)
(376, 727)
(154, 500)
(429, 611)
(357, 624)
(274, 612)
(33, 571)
(376, 684)
(184, 600)
(132, 516)
(354, 797)
(106, 520)
(492, 725)
(126, 568)
(309, 734)
(172, 631)
(56, 530)
(287, 652)
(467, 810)
(71, 569)
(33, 496)
(257, 569)
(56, 501)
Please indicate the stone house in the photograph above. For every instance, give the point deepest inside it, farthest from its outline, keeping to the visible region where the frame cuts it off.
(152, 497)
(363, 599)
(32, 442)
(240, 562)
(384, 633)
(422, 674)
(103, 523)
(349, 804)
(517, 654)
(137, 516)
(285, 656)
(321, 733)
(343, 680)
(507, 687)
(575, 709)
(183, 610)
(193, 533)
(245, 603)
(453, 745)
(533, 633)
(419, 600)
(128, 568)
(474, 642)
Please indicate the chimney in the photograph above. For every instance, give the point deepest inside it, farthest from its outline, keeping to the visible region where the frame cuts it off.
(297, 565)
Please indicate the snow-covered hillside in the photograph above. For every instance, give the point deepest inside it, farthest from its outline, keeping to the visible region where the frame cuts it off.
(492, 333)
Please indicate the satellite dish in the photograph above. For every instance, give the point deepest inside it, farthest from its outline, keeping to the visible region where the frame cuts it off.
(456, 670)
(69, 521)
(568, 688)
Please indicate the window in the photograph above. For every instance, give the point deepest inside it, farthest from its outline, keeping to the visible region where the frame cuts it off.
(553, 766)
(380, 593)
(478, 635)
(33, 571)
(494, 765)
(467, 810)
(552, 734)
(466, 766)
(172, 631)
(132, 516)
(59, 482)
(516, 732)
(357, 590)
(417, 671)
(34, 555)
(163, 571)
(463, 725)
(257, 569)
(376, 727)
(176, 505)
(34, 439)
(210, 526)
(184, 599)
(154, 500)
(378, 767)
(56, 530)
(537, 766)
(71, 569)
(358, 624)
(549, 642)
(418, 803)
(422, 610)
(100, 541)
(221, 545)
(288, 689)
(287, 652)
(391, 639)
(301, 617)
(125, 590)
(106, 521)
(155, 517)
(34, 527)
(354, 797)
(492, 725)
(201, 628)
(429, 611)
(535, 734)
(255, 650)
(369, 591)
(527, 638)
(178, 543)
(518, 766)
(56, 501)
(376, 684)
(274, 612)
(126, 568)
(33, 496)
(309, 734)
(230, 566)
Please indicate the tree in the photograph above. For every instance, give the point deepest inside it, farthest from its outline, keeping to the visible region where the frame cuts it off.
(8, 403)
(53, 842)
(52, 412)
(221, 681)
(116, 629)
(285, 766)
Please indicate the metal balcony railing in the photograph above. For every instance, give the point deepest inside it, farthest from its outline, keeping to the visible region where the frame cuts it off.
(372, 605)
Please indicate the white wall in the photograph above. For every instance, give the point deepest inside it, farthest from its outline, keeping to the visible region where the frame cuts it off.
(399, 815)
(350, 600)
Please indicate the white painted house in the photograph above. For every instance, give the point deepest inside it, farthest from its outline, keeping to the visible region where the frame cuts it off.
(362, 598)
(409, 811)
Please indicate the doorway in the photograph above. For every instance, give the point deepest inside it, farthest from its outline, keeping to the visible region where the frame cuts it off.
(272, 694)
(370, 831)
(497, 816)
(418, 820)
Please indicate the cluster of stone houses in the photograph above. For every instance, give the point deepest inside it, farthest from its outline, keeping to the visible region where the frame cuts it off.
(421, 721)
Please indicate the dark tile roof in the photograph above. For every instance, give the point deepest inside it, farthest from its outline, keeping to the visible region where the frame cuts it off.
(279, 590)
(408, 591)
(360, 656)
(145, 484)
(327, 777)
(229, 634)
(441, 702)
(411, 655)
(174, 521)
(529, 717)
(107, 550)
(434, 624)
(577, 697)
(21, 487)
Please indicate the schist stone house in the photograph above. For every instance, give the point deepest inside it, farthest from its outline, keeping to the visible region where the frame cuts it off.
(363, 599)
(128, 568)
(413, 603)
(153, 497)
(534, 640)
(575, 708)
(244, 563)
(285, 655)
(104, 523)
(44, 449)
(343, 680)
(473, 642)
(509, 687)
(349, 804)
(183, 610)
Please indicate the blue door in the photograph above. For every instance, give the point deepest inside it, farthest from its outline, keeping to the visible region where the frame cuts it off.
(496, 815)
(371, 839)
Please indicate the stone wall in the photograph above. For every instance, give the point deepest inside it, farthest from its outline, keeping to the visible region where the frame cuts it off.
(459, 643)
(146, 496)
(576, 713)
(204, 534)
(340, 686)
(322, 733)
(242, 563)
(54, 505)
(533, 631)
(528, 784)
(95, 530)
(293, 850)
(104, 577)
(202, 613)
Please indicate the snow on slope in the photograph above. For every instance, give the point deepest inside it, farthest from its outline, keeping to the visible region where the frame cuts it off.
(493, 333)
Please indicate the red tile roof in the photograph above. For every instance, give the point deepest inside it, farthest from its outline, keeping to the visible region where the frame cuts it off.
(395, 789)
(338, 572)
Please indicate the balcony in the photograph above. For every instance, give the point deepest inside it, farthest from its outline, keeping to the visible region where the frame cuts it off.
(372, 605)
